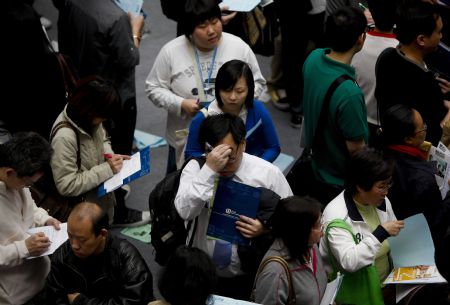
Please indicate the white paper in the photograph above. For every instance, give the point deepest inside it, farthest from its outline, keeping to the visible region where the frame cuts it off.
(332, 290)
(56, 237)
(441, 155)
(402, 291)
(220, 300)
(240, 5)
(129, 168)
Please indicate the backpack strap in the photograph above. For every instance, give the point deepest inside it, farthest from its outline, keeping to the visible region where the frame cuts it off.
(292, 299)
(66, 124)
(340, 224)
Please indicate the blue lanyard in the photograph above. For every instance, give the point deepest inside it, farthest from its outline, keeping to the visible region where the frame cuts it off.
(213, 59)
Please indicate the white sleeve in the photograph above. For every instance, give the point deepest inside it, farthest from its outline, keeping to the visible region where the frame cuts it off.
(158, 84)
(281, 187)
(260, 82)
(195, 189)
(350, 256)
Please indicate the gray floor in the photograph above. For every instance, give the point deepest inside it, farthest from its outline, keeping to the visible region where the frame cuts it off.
(153, 120)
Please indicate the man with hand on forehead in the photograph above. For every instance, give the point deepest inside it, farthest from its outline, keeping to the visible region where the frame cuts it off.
(223, 137)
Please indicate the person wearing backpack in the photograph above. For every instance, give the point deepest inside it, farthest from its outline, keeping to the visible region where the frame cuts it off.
(223, 137)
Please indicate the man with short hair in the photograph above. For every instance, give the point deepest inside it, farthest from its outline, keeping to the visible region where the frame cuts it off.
(22, 163)
(223, 137)
(345, 129)
(402, 75)
(94, 267)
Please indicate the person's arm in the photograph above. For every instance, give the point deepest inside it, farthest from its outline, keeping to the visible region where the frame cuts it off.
(272, 285)
(56, 292)
(193, 147)
(68, 179)
(195, 189)
(270, 138)
(260, 82)
(158, 84)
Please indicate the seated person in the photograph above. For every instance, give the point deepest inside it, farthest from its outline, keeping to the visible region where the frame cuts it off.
(224, 137)
(364, 207)
(414, 188)
(94, 267)
(234, 91)
(22, 163)
(189, 277)
(297, 227)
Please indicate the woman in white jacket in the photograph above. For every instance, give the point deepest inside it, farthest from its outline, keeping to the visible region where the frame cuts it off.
(363, 205)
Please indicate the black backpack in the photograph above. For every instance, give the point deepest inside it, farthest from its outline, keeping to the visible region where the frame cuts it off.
(168, 230)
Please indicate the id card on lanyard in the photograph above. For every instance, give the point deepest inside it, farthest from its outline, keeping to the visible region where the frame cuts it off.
(204, 86)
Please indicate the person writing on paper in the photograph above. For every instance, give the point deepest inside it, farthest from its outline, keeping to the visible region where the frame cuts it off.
(22, 162)
(414, 187)
(297, 228)
(234, 90)
(189, 277)
(364, 207)
(183, 75)
(78, 132)
(223, 137)
(96, 268)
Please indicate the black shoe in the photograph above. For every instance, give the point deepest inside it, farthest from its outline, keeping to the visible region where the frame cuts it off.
(296, 120)
(282, 104)
(132, 218)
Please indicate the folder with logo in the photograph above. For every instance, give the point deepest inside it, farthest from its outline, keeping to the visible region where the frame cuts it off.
(231, 200)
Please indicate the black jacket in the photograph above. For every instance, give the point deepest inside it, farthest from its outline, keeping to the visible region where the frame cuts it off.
(118, 276)
(415, 191)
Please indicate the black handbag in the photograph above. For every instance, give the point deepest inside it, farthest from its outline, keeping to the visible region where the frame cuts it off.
(301, 177)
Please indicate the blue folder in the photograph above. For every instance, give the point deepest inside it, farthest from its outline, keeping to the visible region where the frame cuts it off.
(145, 169)
(231, 200)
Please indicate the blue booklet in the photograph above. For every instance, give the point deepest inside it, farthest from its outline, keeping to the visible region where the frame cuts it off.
(136, 167)
(231, 200)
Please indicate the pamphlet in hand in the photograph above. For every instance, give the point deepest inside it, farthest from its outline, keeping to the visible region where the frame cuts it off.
(56, 237)
(332, 289)
(220, 300)
(130, 6)
(231, 200)
(136, 167)
(441, 156)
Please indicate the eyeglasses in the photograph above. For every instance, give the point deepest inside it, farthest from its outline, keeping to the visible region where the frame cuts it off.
(425, 127)
(384, 188)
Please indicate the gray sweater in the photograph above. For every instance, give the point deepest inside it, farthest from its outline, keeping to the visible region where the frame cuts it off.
(272, 283)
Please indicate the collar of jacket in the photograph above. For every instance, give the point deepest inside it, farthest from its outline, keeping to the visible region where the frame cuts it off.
(353, 212)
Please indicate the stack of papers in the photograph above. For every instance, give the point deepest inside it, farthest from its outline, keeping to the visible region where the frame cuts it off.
(240, 5)
(131, 166)
(56, 237)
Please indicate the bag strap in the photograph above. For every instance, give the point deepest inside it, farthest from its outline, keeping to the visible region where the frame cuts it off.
(66, 124)
(68, 77)
(292, 299)
(340, 224)
(325, 107)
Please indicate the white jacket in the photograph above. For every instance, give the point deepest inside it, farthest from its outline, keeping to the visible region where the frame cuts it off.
(349, 256)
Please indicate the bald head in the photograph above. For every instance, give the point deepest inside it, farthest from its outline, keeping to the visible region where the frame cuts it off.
(87, 228)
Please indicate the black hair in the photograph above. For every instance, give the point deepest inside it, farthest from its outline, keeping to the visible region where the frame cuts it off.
(93, 97)
(27, 153)
(368, 166)
(215, 127)
(196, 12)
(383, 13)
(100, 221)
(397, 123)
(293, 219)
(343, 28)
(188, 278)
(229, 74)
(415, 18)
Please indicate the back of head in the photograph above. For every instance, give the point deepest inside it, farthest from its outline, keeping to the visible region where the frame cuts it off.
(93, 97)
(215, 127)
(229, 74)
(96, 215)
(197, 12)
(415, 17)
(188, 278)
(292, 221)
(383, 13)
(397, 123)
(343, 28)
(366, 167)
(27, 153)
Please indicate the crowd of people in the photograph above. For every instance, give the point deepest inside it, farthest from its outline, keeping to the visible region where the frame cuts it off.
(365, 138)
